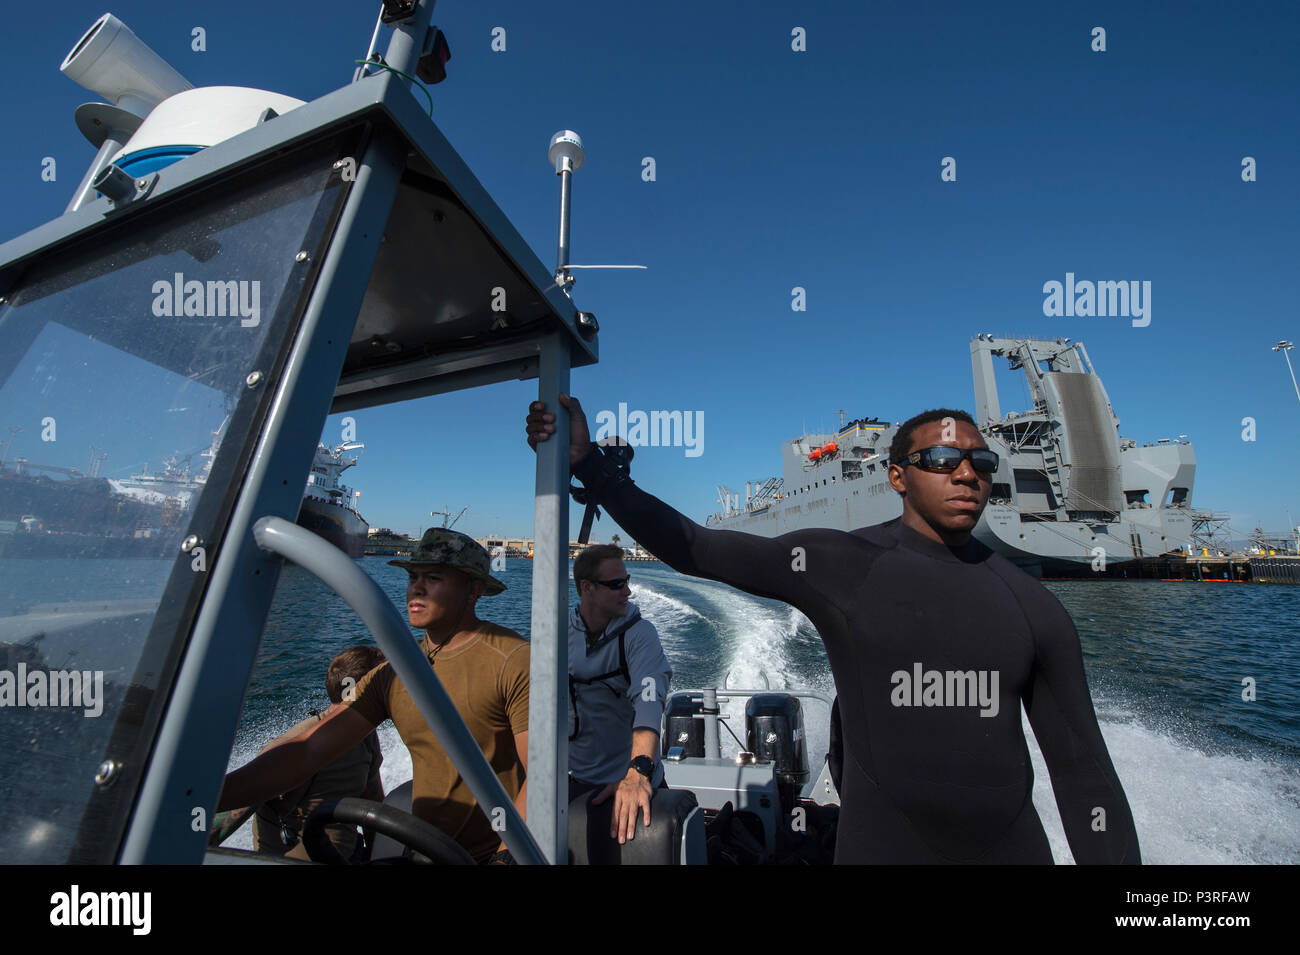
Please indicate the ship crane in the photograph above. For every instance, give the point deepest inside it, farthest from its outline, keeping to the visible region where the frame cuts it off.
(449, 522)
(95, 462)
(446, 513)
(338, 452)
(729, 500)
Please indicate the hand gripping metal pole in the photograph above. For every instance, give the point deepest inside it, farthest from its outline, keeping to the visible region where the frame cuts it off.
(338, 572)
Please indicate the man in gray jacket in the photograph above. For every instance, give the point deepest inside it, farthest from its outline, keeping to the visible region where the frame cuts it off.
(618, 684)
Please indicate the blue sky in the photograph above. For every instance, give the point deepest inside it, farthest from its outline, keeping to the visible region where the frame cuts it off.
(818, 169)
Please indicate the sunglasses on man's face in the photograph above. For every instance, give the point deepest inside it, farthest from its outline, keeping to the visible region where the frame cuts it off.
(949, 459)
(617, 584)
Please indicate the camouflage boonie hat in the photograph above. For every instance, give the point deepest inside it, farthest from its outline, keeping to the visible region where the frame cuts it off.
(454, 549)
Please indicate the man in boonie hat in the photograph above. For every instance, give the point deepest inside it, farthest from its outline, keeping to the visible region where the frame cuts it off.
(482, 666)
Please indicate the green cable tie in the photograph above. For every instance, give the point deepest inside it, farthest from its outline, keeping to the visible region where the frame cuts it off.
(392, 69)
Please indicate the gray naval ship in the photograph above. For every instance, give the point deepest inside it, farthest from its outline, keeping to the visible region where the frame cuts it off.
(1070, 497)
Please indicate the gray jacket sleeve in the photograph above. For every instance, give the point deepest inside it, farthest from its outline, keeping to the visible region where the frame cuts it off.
(650, 674)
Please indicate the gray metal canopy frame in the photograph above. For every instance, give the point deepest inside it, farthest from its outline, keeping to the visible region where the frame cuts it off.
(401, 298)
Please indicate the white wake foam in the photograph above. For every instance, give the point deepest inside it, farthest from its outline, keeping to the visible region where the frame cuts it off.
(1189, 807)
(755, 639)
(671, 617)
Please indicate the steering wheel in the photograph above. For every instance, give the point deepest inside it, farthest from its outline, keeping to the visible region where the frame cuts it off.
(410, 831)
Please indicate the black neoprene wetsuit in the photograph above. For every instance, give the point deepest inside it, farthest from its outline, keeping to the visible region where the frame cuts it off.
(927, 778)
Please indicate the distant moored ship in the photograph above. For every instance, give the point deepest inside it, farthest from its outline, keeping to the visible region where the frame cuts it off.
(328, 507)
(1070, 494)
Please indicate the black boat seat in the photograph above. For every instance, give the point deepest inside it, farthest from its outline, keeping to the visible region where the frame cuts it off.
(385, 847)
(675, 835)
(676, 830)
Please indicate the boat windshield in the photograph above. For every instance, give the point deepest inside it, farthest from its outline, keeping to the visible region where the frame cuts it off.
(129, 384)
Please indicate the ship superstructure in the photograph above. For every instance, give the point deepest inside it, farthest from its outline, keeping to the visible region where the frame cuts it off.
(175, 485)
(174, 482)
(1069, 492)
(132, 513)
(328, 507)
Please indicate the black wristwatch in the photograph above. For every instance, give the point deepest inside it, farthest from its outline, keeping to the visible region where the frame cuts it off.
(643, 765)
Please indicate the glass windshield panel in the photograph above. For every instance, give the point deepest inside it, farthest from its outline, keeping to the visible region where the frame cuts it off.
(124, 409)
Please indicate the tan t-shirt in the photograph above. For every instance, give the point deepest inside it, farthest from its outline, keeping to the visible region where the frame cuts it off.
(487, 679)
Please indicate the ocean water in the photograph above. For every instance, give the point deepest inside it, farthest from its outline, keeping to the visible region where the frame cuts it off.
(1210, 777)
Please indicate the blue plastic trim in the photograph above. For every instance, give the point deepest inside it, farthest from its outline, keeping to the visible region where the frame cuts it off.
(144, 161)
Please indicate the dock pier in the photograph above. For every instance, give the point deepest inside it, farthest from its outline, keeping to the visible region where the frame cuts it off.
(1232, 568)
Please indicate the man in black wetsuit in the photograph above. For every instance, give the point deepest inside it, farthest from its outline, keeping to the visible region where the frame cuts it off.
(934, 642)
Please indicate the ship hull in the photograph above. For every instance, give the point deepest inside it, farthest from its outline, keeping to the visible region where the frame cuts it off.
(1040, 548)
(85, 546)
(63, 511)
(343, 528)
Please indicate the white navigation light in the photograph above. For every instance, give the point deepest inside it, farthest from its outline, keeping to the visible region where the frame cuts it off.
(566, 156)
(566, 153)
(112, 61)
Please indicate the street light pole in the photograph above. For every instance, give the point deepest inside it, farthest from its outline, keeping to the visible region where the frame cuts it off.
(1284, 347)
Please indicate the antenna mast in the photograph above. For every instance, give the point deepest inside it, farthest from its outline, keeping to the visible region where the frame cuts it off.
(566, 155)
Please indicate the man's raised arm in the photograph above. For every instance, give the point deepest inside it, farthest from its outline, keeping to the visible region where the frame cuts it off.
(766, 567)
(291, 763)
(1094, 810)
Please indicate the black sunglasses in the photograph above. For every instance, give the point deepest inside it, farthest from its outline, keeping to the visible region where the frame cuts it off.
(618, 584)
(949, 459)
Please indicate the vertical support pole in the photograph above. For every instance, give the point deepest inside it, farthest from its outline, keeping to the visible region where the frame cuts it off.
(407, 42)
(548, 721)
(113, 142)
(709, 707)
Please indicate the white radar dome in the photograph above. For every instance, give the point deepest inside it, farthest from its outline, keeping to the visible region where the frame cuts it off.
(195, 119)
(566, 151)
